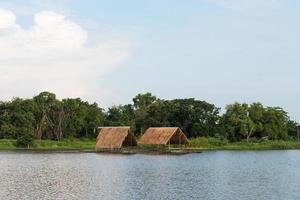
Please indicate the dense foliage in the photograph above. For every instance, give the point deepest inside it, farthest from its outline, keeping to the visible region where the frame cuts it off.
(46, 117)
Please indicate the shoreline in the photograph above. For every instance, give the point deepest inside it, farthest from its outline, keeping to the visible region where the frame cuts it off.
(182, 151)
(196, 145)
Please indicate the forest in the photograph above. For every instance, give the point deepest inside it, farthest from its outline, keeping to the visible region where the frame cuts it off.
(46, 117)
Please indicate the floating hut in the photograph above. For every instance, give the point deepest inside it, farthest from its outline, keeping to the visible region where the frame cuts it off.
(163, 136)
(114, 138)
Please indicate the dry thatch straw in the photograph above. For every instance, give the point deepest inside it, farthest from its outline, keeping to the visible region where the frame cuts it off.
(163, 136)
(115, 138)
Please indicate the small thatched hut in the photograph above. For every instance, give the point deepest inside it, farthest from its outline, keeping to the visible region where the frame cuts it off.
(115, 138)
(163, 136)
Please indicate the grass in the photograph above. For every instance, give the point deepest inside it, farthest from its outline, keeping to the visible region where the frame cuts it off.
(196, 143)
(66, 144)
(7, 144)
(207, 143)
(219, 144)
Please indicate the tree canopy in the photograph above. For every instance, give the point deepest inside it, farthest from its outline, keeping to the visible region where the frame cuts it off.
(46, 117)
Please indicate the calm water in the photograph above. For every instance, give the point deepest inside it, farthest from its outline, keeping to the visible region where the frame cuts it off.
(212, 175)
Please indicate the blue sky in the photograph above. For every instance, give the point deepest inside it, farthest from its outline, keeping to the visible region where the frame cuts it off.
(221, 51)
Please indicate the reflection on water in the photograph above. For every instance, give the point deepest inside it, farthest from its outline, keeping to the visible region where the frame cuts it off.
(212, 175)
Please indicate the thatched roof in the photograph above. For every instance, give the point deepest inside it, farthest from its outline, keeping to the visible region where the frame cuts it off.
(164, 135)
(115, 137)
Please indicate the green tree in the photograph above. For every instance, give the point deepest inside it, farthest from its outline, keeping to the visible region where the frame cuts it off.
(196, 118)
(26, 138)
(275, 123)
(293, 129)
(45, 117)
(237, 123)
(141, 104)
(44, 104)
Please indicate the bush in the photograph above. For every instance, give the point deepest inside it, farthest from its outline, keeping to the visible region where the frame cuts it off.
(209, 142)
(26, 138)
(217, 141)
(264, 139)
(8, 131)
(25, 141)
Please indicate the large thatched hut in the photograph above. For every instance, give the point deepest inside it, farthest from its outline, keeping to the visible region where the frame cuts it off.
(163, 136)
(115, 138)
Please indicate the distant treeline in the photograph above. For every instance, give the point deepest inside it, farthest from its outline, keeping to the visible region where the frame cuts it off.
(45, 117)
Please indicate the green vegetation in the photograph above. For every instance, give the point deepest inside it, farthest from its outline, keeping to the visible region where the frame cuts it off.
(6, 144)
(219, 144)
(66, 144)
(25, 140)
(46, 122)
(202, 143)
(208, 143)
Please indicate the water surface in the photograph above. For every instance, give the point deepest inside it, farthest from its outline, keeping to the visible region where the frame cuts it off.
(209, 176)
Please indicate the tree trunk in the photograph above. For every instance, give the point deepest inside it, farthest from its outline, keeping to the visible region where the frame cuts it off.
(249, 134)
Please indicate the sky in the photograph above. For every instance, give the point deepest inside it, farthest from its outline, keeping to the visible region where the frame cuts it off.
(220, 51)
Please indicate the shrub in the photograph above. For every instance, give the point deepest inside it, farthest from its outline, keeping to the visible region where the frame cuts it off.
(207, 142)
(8, 131)
(217, 141)
(279, 144)
(26, 138)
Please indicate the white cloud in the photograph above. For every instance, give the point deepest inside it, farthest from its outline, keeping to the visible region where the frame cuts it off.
(7, 19)
(52, 55)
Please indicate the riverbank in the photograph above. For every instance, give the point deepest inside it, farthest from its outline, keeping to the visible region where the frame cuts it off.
(196, 145)
(51, 145)
(219, 144)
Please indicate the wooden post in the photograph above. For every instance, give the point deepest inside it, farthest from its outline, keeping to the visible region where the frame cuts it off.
(180, 139)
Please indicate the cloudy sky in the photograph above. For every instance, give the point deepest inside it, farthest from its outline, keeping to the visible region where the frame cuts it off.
(220, 51)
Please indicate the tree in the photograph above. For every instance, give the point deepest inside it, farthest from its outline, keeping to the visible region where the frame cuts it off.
(275, 123)
(243, 121)
(26, 138)
(141, 104)
(46, 117)
(240, 121)
(143, 101)
(44, 103)
(293, 129)
(81, 118)
(196, 118)
(247, 128)
(93, 119)
(121, 116)
(256, 113)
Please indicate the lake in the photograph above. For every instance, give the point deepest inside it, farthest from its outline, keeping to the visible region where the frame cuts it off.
(227, 175)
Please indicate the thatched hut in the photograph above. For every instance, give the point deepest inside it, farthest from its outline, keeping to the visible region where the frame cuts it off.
(163, 136)
(115, 138)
